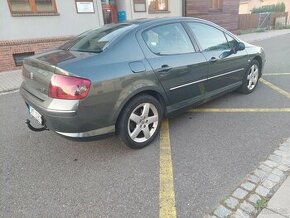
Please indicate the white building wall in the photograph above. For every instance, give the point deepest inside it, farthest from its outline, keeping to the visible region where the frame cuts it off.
(175, 9)
(69, 22)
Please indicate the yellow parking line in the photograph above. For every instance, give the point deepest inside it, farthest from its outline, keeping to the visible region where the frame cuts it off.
(239, 110)
(166, 195)
(276, 74)
(276, 88)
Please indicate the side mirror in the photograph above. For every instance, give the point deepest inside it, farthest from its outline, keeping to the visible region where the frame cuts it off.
(240, 46)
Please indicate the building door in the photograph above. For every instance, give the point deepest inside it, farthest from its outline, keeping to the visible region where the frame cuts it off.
(109, 8)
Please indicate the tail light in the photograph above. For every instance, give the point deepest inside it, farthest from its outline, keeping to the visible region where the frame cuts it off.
(68, 87)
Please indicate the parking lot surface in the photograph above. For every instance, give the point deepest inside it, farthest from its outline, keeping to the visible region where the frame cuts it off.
(204, 155)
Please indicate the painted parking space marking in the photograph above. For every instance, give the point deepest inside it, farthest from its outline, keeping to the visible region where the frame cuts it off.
(239, 110)
(167, 206)
(276, 74)
(276, 88)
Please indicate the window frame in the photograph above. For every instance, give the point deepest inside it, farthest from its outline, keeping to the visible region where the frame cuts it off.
(187, 32)
(219, 8)
(150, 11)
(228, 35)
(33, 12)
(141, 2)
(23, 56)
(91, 1)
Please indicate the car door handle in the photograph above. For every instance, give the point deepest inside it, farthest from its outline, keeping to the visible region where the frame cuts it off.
(164, 68)
(213, 60)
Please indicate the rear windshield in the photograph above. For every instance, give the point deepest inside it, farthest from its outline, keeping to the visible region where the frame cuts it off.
(96, 40)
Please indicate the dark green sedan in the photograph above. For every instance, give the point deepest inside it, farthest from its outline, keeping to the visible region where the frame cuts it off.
(126, 77)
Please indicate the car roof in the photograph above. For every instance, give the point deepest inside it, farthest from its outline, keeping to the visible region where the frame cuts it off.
(142, 21)
(145, 22)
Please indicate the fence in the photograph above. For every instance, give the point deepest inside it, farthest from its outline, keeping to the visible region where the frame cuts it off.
(262, 20)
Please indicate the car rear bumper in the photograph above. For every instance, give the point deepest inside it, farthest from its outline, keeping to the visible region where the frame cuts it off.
(96, 132)
(67, 121)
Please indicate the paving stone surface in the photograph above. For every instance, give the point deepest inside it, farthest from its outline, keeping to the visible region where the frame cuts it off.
(253, 178)
(240, 193)
(269, 184)
(254, 198)
(248, 208)
(222, 212)
(275, 158)
(274, 178)
(248, 186)
(265, 168)
(283, 168)
(277, 172)
(231, 202)
(270, 163)
(241, 214)
(260, 173)
(262, 191)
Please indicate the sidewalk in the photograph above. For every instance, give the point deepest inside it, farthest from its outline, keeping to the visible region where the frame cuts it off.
(252, 37)
(279, 205)
(11, 80)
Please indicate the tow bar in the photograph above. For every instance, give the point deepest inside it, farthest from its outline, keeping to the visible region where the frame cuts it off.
(43, 128)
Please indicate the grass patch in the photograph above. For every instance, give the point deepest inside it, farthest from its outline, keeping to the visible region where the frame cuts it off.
(261, 204)
(258, 30)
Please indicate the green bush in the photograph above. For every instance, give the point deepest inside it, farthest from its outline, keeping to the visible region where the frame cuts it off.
(279, 7)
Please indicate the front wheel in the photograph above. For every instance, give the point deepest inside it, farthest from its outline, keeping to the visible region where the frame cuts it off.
(251, 78)
(140, 121)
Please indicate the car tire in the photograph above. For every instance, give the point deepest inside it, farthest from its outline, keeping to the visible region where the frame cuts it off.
(251, 78)
(140, 121)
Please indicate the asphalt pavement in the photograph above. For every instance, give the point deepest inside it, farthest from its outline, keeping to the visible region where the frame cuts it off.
(46, 175)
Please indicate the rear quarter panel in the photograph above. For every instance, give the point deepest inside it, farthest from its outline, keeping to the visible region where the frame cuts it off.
(113, 82)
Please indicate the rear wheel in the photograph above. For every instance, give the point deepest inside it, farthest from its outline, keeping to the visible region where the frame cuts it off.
(140, 121)
(251, 78)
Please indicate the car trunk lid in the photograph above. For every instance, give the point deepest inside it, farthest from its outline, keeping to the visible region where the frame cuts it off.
(38, 70)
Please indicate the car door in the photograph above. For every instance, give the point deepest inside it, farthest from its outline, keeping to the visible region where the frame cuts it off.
(226, 64)
(181, 70)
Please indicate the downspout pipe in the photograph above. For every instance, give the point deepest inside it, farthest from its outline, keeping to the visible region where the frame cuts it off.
(184, 8)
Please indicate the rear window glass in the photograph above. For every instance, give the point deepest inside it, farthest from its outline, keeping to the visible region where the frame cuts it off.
(97, 40)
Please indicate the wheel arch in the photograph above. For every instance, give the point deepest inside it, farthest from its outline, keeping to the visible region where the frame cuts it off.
(259, 59)
(149, 91)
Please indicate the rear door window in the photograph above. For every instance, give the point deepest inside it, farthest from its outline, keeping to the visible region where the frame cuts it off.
(168, 39)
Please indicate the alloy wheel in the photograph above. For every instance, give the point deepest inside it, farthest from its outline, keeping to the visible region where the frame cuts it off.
(143, 122)
(253, 77)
